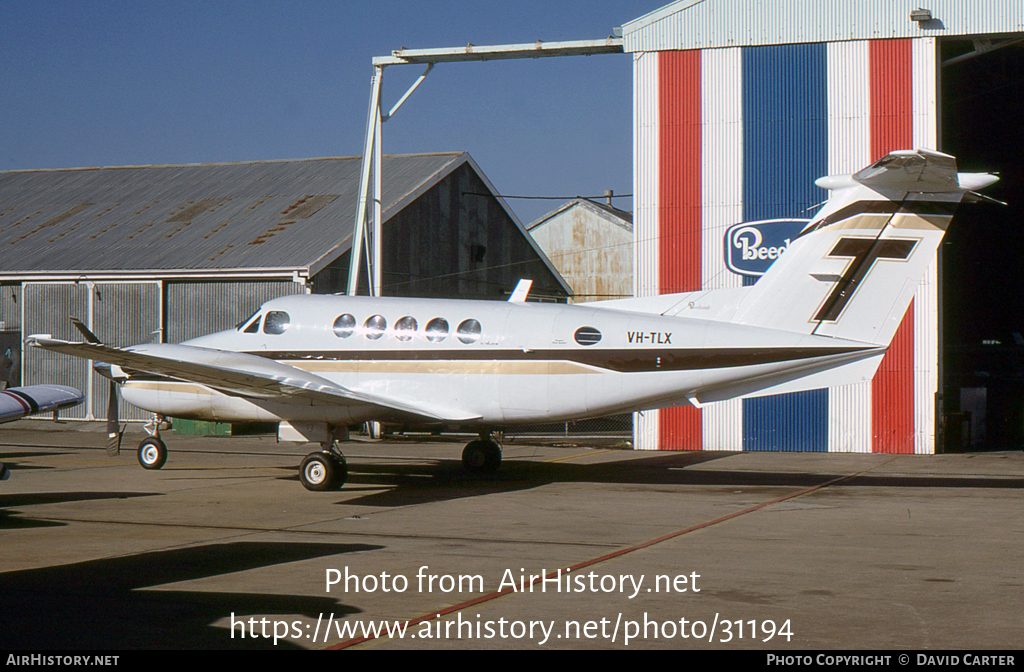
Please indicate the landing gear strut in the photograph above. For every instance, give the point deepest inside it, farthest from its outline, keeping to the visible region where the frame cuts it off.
(482, 456)
(152, 451)
(324, 470)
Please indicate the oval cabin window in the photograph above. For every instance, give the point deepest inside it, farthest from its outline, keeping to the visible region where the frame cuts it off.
(375, 326)
(344, 326)
(437, 330)
(405, 328)
(469, 331)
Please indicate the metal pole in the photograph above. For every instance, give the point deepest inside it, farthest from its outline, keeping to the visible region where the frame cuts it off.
(359, 231)
(376, 268)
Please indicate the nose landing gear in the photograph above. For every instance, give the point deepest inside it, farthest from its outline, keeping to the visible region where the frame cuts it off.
(152, 450)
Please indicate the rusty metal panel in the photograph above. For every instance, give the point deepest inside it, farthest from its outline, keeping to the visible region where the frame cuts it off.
(591, 245)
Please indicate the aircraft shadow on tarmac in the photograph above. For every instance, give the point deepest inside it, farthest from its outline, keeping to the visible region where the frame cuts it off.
(15, 466)
(417, 483)
(102, 604)
(11, 519)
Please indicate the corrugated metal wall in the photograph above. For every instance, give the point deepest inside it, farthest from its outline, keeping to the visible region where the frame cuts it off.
(709, 24)
(198, 308)
(10, 308)
(123, 314)
(47, 308)
(770, 120)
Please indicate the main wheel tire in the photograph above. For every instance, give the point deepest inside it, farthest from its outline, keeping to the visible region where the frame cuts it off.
(152, 453)
(481, 456)
(340, 469)
(320, 472)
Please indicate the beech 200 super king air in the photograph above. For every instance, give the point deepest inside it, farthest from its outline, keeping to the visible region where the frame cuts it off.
(822, 315)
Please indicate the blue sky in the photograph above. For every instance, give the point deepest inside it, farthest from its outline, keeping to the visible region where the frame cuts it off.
(91, 83)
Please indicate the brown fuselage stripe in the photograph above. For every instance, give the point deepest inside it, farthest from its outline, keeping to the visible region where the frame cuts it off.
(628, 360)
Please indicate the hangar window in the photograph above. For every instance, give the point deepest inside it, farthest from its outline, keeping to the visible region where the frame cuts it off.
(437, 330)
(405, 328)
(469, 331)
(344, 326)
(375, 326)
(277, 322)
(254, 326)
(587, 336)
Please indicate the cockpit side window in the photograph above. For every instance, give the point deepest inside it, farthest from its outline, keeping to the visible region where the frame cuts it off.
(253, 327)
(276, 322)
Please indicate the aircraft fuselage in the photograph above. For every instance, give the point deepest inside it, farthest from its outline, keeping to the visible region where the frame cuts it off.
(498, 362)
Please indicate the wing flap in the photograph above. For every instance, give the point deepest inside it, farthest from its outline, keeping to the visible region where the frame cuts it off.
(241, 374)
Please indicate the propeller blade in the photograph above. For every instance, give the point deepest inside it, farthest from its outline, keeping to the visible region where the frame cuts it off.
(6, 365)
(113, 423)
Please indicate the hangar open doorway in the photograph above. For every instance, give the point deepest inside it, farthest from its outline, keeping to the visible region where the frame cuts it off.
(982, 258)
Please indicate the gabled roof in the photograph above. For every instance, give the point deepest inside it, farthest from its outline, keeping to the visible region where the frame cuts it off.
(621, 218)
(702, 24)
(258, 216)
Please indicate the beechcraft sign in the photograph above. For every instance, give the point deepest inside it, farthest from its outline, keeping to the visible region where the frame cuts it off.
(751, 247)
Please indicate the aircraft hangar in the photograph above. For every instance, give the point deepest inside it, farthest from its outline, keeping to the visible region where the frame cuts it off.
(172, 252)
(739, 107)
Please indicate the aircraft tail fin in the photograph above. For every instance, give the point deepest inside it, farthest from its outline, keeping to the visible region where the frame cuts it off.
(853, 270)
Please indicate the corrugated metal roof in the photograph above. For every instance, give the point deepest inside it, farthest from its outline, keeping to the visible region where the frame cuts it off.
(701, 24)
(221, 216)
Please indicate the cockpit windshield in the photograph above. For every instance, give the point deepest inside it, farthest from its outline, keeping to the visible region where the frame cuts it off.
(238, 327)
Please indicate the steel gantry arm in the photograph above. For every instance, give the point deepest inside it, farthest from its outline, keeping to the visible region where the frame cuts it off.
(368, 207)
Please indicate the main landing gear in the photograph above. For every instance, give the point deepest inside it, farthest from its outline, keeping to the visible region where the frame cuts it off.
(324, 470)
(152, 450)
(482, 456)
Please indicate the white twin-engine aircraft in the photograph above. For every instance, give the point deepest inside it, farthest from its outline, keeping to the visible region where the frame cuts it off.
(823, 315)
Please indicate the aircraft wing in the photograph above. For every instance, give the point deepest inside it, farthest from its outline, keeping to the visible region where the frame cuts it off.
(242, 375)
(17, 402)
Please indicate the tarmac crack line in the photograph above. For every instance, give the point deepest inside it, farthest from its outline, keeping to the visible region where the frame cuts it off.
(445, 611)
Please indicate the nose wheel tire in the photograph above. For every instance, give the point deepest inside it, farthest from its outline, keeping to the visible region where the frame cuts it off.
(152, 453)
(323, 471)
(482, 456)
